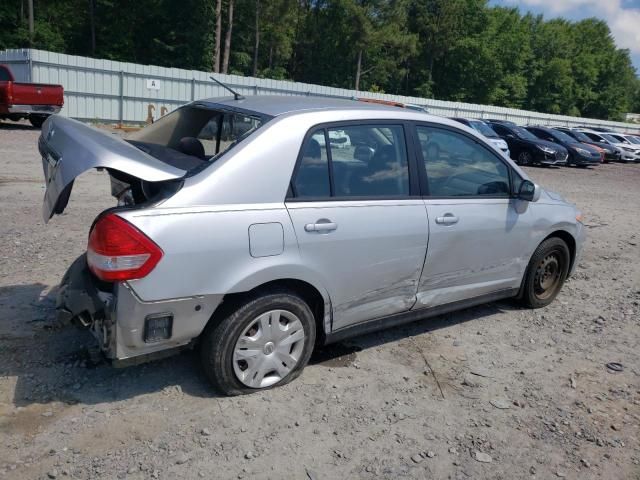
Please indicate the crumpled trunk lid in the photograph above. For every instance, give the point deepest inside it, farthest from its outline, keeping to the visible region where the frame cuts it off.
(70, 148)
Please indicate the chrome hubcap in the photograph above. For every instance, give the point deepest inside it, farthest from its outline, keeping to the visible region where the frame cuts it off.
(268, 349)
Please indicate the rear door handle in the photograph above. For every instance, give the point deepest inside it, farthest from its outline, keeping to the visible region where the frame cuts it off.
(447, 219)
(321, 226)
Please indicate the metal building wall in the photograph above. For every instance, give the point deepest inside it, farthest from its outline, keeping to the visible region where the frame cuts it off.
(120, 92)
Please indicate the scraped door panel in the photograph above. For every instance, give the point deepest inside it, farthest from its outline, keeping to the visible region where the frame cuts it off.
(480, 250)
(369, 253)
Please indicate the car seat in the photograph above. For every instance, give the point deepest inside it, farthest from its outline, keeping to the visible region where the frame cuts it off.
(191, 146)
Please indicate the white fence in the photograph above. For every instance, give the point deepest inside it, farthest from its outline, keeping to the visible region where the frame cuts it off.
(119, 92)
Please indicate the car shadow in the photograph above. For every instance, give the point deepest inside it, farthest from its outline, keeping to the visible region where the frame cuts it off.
(16, 126)
(53, 363)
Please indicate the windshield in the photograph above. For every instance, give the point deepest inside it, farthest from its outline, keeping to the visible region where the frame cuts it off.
(483, 128)
(581, 137)
(196, 132)
(524, 133)
(634, 139)
(563, 137)
(620, 138)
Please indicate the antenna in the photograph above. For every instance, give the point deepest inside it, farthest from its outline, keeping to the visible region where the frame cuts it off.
(236, 95)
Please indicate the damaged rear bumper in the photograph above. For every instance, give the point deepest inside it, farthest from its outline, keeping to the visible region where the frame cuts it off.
(122, 323)
(78, 300)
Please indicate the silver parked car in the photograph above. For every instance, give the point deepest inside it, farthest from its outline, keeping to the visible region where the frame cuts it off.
(240, 227)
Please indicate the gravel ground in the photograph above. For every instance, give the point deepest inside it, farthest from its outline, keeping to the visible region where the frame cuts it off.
(490, 392)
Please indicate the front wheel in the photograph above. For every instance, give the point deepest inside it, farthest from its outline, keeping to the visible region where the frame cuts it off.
(263, 343)
(525, 158)
(546, 273)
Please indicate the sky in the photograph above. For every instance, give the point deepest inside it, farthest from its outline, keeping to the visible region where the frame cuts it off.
(623, 17)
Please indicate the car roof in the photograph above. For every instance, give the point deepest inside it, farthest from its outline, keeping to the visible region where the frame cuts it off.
(276, 105)
(465, 119)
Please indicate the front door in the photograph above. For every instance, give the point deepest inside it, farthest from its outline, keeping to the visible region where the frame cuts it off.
(357, 220)
(478, 231)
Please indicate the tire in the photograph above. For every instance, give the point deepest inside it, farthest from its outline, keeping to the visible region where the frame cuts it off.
(37, 120)
(546, 273)
(525, 158)
(229, 361)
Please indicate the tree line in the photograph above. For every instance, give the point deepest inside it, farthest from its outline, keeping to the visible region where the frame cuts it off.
(460, 50)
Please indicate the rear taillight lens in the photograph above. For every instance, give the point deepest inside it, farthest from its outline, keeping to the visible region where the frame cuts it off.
(118, 251)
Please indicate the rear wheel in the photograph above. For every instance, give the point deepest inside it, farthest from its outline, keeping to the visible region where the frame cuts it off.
(525, 158)
(37, 120)
(546, 273)
(263, 343)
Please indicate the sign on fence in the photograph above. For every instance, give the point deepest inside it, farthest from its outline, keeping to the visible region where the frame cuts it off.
(153, 84)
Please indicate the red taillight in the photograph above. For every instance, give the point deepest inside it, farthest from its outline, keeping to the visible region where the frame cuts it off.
(118, 251)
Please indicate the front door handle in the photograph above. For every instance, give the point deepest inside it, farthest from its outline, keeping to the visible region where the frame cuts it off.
(321, 226)
(447, 219)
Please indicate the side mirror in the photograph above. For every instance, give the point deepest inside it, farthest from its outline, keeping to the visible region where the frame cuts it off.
(529, 191)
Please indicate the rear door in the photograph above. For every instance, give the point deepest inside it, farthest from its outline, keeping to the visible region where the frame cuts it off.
(478, 233)
(359, 219)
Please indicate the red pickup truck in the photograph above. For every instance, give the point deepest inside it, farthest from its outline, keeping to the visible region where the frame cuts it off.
(34, 101)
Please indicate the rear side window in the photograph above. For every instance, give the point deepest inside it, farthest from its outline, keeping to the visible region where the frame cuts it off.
(217, 138)
(312, 177)
(354, 161)
(195, 131)
(4, 75)
(457, 166)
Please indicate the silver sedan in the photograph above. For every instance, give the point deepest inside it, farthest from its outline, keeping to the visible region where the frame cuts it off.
(258, 228)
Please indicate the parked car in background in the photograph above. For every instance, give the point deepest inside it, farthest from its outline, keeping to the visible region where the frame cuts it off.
(33, 101)
(580, 154)
(611, 154)
(337, 138)
(503, 122)
(595, 129)
(627, 139)
(628, 153)
(527, 149)
(280, 245)
(484, 129)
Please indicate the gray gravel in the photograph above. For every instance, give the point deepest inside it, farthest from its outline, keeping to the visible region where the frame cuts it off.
(527, 394)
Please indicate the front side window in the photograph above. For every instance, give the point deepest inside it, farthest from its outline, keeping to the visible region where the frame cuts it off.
(457, 166)
(524, 133)
(353, 161)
